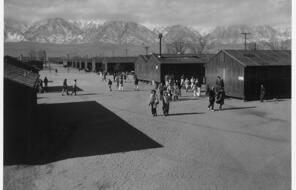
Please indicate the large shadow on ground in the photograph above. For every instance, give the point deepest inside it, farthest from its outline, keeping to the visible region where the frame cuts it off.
(70, 130)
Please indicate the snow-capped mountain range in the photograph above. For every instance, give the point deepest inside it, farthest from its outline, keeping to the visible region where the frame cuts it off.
(61, 31)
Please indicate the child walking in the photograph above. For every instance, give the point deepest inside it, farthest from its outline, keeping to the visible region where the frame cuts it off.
(153, 102)
(65, 87)
(74, 88)
(220, 98)
(110, 85)
(121, 84)
(165, 104)
(211, 99)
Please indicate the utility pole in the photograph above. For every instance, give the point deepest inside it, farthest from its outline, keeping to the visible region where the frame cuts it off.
(245, 37)
(160, 37)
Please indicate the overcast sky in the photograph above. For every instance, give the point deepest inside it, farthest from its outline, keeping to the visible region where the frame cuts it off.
(198, 13)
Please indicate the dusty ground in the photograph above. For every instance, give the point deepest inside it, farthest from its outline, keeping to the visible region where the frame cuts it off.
(246, 146)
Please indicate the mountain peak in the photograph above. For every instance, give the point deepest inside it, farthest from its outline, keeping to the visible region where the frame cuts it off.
(59, 30)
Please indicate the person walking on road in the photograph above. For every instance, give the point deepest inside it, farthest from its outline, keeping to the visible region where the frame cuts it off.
(121, 84)
(110, 85)
(117, 82)
(74, 88)
(198, 86)
(160, 90)
(220, 98)
(211, 99)
(186, 85)
(65, 87)
(136, 83)
(45, 83)
(165, 104)
(153, 102)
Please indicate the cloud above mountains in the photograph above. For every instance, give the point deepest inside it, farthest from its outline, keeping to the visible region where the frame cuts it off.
(156, 12)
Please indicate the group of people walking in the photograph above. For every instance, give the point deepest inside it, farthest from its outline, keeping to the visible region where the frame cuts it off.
(216, 94)
(120, 79)
(170, 91)
(154, 101)
(193, 85)
(66, 90)
(40, 87)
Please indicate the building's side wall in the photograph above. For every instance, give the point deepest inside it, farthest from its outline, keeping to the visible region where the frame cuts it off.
(276, 80)
(230, 70)
(19, 107)
(148, 71)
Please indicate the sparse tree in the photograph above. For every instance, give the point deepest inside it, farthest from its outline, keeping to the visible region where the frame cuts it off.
(177, 47)
(200, 45)
(275, 45)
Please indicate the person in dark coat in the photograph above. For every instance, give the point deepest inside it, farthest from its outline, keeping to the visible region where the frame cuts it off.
(161, 90)
(136, 83)
(153, 102)
(74, 88)
(117, 82)
(165, 104)
(40, 86)
(65, 87)
(262, 93)
(110, 85)
(45, 83)
(219, 84)
(211, 98)
(124, 77)
(220, 98)
(114, 77)
(121, 85)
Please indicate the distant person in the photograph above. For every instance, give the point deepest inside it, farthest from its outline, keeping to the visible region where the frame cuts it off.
(262, 93)
(194, 88)
(211, 99)
(175, 92)
(165, 104)
(192, 82)
(121, 85)
(182, 81)
(114, 77)
(74, 91)
(45, 84)
(105, 76)
(117, 82)
(65, 87)
(220, 98)
(169, 90)
(160, 90)
(124, 77)
(110, 85)
(222, 83)
(136, 83)
(198, 86)
(219, 84)
(153, 102)
(56, 71)
(40, 86)
(186, 84)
